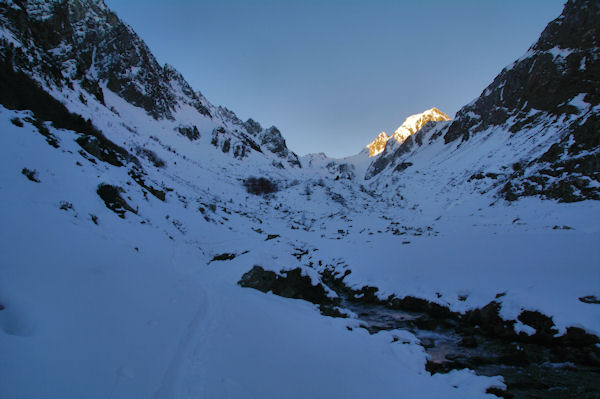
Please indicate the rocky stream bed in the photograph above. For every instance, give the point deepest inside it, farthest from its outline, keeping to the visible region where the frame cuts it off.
(540, 365)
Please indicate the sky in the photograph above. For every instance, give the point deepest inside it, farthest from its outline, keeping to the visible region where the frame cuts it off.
(331, 75)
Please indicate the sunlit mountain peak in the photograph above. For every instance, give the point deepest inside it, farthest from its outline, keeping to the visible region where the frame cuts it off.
(377, 146)
(414, 123)
(411, 125)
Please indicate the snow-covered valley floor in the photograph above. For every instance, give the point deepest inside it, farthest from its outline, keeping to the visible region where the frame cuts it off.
(94, 305)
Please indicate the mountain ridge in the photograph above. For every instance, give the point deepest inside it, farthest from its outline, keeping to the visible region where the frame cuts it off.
(411, 125)
(140, 235)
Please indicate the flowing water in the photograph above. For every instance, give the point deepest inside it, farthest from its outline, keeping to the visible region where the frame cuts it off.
(529, 370)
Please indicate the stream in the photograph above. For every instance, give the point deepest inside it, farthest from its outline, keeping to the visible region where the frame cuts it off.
(530, 370)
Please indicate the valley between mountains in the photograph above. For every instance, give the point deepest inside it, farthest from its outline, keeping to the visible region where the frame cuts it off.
(155, 245)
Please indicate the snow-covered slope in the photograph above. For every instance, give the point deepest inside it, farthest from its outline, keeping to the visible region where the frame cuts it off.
(132, 208)
(534, 129)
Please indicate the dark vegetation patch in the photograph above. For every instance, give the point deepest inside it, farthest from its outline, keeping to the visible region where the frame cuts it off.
(150, 156)
(44, 131)
(65, 206)
(105, 150)
(93, 87)
(138, 176)
(224, 256)
(590, 299)
(191, 132)
(111, 195)
(31, 174)
(17, 122)
(260, 186)
(271, 237)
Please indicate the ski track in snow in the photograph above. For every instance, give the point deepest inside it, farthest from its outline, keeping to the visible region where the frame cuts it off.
(196, 331)
(136, 307)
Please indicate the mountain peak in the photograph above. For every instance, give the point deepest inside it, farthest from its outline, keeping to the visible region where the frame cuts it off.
(377, 146)
(415, 122)
(410, 126)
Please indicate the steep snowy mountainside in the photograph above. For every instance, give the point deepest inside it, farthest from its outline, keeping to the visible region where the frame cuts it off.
(538, 119)
(80, 51)
(137, 218)
(555, 85)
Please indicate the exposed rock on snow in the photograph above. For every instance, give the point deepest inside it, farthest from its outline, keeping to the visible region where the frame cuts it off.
(146, 196)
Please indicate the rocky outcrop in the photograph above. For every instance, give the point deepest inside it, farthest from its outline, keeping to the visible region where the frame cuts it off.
(548, 101)
(272, 139)
(562, 65)
(83, 45)
(289, 284)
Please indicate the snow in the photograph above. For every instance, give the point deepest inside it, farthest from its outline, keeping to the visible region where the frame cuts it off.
(134, 308)
(558, 52)
(100, 306)
(122, 310)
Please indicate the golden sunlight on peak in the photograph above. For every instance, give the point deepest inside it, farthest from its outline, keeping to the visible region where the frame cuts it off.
(377, 146)
(411, 125)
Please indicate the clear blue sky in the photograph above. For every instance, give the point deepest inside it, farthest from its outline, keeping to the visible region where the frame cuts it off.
(333, 74)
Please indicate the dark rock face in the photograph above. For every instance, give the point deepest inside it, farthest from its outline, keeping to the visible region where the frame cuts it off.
(84, 41)
(566, 172)
(558, 78)
(252, 127)
(560, 66)
(82, 45)
(272, 139)
(552, 91)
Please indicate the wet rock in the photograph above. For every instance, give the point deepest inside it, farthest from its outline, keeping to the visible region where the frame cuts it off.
(289, 284)
(501, 393)
(544, 326)
(577, 337)
(469, 342)
(489, 321)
